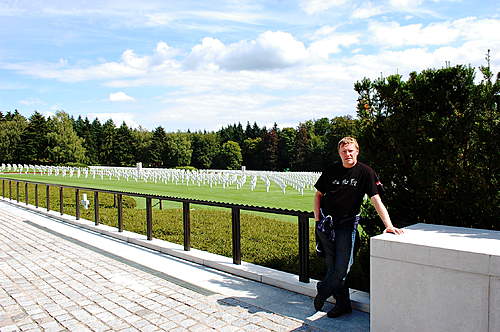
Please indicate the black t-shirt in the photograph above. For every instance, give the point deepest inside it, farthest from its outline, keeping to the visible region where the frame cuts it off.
(343, 188)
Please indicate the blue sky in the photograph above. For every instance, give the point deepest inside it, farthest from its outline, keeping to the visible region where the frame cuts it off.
(205, 64)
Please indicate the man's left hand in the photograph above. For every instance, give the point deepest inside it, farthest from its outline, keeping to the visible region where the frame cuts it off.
(394, 230)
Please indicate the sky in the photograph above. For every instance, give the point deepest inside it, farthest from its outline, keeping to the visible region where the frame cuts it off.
(202, 65)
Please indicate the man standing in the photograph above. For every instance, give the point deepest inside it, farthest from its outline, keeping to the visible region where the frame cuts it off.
(337, 203)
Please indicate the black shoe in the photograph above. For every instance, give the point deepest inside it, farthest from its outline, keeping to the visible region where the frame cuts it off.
(339, 310)
(318, 302)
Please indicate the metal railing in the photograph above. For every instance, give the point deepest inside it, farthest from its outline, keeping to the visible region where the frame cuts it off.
(302, 216)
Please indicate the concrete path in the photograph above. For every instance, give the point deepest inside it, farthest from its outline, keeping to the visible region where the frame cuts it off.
(58, 277)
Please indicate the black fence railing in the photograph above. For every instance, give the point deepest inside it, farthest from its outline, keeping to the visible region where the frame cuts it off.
(302, 216)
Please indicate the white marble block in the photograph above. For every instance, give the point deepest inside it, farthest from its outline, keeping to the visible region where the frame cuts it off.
(435, 278)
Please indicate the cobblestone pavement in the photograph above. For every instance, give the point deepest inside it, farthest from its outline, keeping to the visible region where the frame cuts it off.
(51, 284)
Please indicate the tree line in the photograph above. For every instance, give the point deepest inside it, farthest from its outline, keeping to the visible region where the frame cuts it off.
(62, 140)
(433, 139)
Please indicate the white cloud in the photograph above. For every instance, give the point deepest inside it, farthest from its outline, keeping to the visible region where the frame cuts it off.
(208, 52)
(392, 34)
(405, 4)
(131, 60)
(332, 44)
(158, 19)
(368, 10)
(32, 102)
(130, 65)
(271, 50)
(120, 96)
(315, 6)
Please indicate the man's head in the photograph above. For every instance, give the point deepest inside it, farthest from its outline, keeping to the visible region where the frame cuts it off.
(348, 149)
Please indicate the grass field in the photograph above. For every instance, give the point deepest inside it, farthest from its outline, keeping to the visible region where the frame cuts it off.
(275, 198)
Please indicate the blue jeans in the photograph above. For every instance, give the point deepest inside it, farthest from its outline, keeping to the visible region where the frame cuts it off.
(339, 256)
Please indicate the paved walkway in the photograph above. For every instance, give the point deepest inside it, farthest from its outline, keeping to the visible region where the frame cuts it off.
(51, 282)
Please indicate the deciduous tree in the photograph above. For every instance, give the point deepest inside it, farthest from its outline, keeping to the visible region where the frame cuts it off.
(64, 145)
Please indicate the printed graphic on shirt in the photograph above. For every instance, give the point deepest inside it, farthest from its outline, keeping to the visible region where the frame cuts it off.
(351, 182)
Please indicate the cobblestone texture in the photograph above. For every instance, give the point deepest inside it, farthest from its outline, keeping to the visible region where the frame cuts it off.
(51, 284)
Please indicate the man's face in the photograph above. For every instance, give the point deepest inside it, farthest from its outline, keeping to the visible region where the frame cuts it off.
(349, 155)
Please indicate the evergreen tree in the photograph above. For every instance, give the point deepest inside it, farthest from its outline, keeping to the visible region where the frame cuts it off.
(302, 149)
(253, 153)
(157, 147)
(78, 125)
(271, 149)
(94, 143)
(248, 131)
(286, 148)
(233, 133)
(257, 132)
(34, 148)
(108, 140)
(125, 146)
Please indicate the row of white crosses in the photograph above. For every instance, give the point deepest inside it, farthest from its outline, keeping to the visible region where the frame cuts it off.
(299, 181)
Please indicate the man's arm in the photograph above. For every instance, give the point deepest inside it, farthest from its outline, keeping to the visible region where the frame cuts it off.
(316, 205)
(384, 215)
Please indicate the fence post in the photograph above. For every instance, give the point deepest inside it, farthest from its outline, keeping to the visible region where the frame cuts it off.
(47, 198)
(61, 200)
(149, 218)
(186, 221)
(120, 212)
(26, 192)
(17, 191)
(77, 204)
(96, 208)
(36, 195)
(235, 218)
(10, 190)
(303, 248)
(3, 188)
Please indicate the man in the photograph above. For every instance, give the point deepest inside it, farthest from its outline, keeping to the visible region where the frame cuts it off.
(337, 203)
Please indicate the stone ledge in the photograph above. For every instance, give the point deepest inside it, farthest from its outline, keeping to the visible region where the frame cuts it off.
(360, 300)
(455, 248)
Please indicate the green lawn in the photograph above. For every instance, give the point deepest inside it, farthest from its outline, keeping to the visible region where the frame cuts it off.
(291, 200)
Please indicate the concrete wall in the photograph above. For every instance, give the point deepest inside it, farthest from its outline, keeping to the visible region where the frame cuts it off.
(435, 278)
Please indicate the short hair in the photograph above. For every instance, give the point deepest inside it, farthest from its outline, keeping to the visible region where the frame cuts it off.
(348, 140)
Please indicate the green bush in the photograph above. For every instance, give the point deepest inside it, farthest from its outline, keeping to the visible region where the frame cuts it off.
(187, 168)
(433, 139)
(75, 164)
